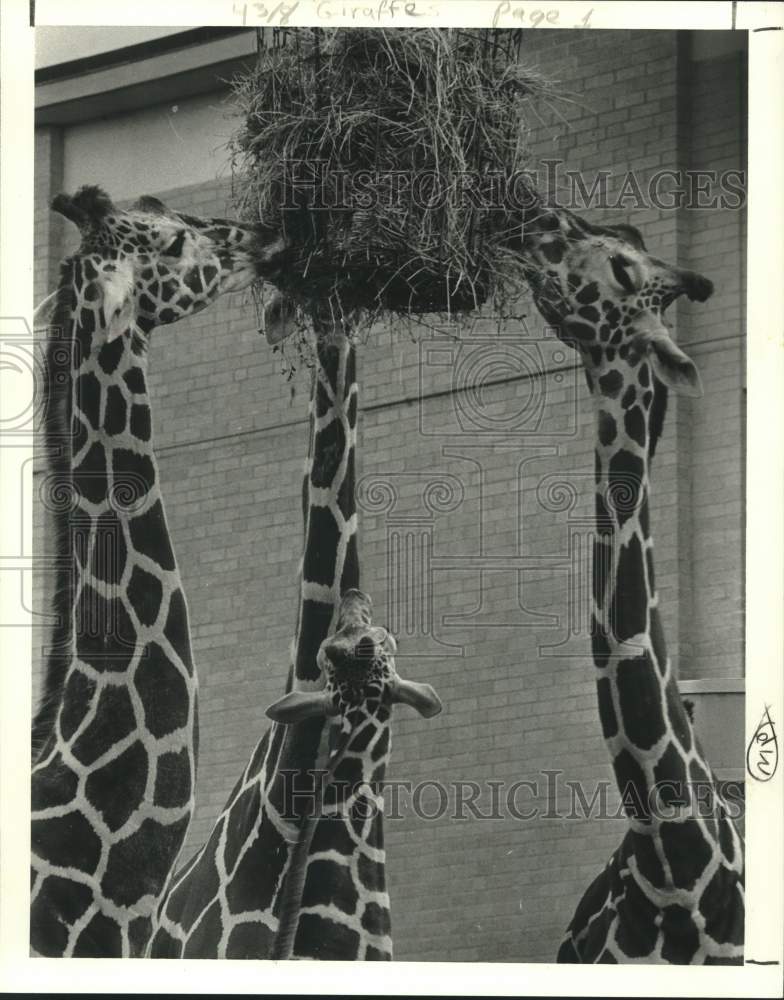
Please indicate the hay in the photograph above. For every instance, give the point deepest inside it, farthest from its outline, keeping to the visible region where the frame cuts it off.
(383, 156)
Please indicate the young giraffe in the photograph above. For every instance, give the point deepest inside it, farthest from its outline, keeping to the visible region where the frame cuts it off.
(295, 865)
(114, 740)
(673, 890)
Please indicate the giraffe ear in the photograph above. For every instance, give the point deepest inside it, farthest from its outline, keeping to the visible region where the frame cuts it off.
(279, 315)
(673, 367)
(118, 307)
(422, 697)
(298, 705)
(149, 204)
(670, 364)
(44, 311)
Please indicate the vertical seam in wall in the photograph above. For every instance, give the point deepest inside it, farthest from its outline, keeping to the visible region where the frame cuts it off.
(683, 407)
(55, 182)
(743, 61)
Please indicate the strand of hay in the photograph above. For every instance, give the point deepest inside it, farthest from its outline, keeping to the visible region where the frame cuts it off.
(379, 154)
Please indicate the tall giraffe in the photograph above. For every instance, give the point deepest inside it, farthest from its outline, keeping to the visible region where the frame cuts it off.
(673, 890)
(295, 864)
(114, 738)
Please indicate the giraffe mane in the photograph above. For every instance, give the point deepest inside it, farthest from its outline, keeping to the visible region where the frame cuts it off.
(658, 413)
(57, 430)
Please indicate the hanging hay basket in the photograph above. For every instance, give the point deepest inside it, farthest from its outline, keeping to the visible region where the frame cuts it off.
(393, 161)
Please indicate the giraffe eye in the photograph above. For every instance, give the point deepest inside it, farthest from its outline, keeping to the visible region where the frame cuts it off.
(174, 249)
(620, 265)
(388, 641)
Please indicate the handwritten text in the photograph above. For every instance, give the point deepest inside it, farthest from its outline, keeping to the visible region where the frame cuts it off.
(762, 756)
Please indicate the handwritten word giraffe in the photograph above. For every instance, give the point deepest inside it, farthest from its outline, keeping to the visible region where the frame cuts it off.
(295, 865)
(673, 890)
(114, 739)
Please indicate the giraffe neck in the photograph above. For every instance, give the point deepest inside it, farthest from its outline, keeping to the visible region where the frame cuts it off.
(329, 567)
(113, 785)
(329, 562)
(654, 751)
(638, 695)
(336, 904)
(128, 583)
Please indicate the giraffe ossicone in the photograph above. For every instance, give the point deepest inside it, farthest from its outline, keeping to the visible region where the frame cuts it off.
(114, 738)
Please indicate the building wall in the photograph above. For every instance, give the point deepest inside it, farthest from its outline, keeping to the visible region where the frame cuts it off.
(715, 241)
(167, 146)
(480, 481)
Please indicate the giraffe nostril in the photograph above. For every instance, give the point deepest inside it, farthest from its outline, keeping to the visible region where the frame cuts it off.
(365, 649)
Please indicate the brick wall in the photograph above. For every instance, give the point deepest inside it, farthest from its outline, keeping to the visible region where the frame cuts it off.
(512, 667)
(714, 334)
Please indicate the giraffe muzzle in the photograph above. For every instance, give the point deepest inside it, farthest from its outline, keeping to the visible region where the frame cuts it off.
(698, 288)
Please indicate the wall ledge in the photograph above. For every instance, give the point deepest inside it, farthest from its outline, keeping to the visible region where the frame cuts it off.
(713, 685)
(160, 77)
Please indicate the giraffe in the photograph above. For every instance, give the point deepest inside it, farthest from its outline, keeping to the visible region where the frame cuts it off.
(295, 864)
(115, 736)
(672, 892)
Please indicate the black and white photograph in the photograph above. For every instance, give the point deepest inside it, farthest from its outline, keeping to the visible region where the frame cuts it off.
(393, 455)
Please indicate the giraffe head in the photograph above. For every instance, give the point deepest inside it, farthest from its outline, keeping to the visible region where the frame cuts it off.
(606, 295)
(358, 667)
(149, 266)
